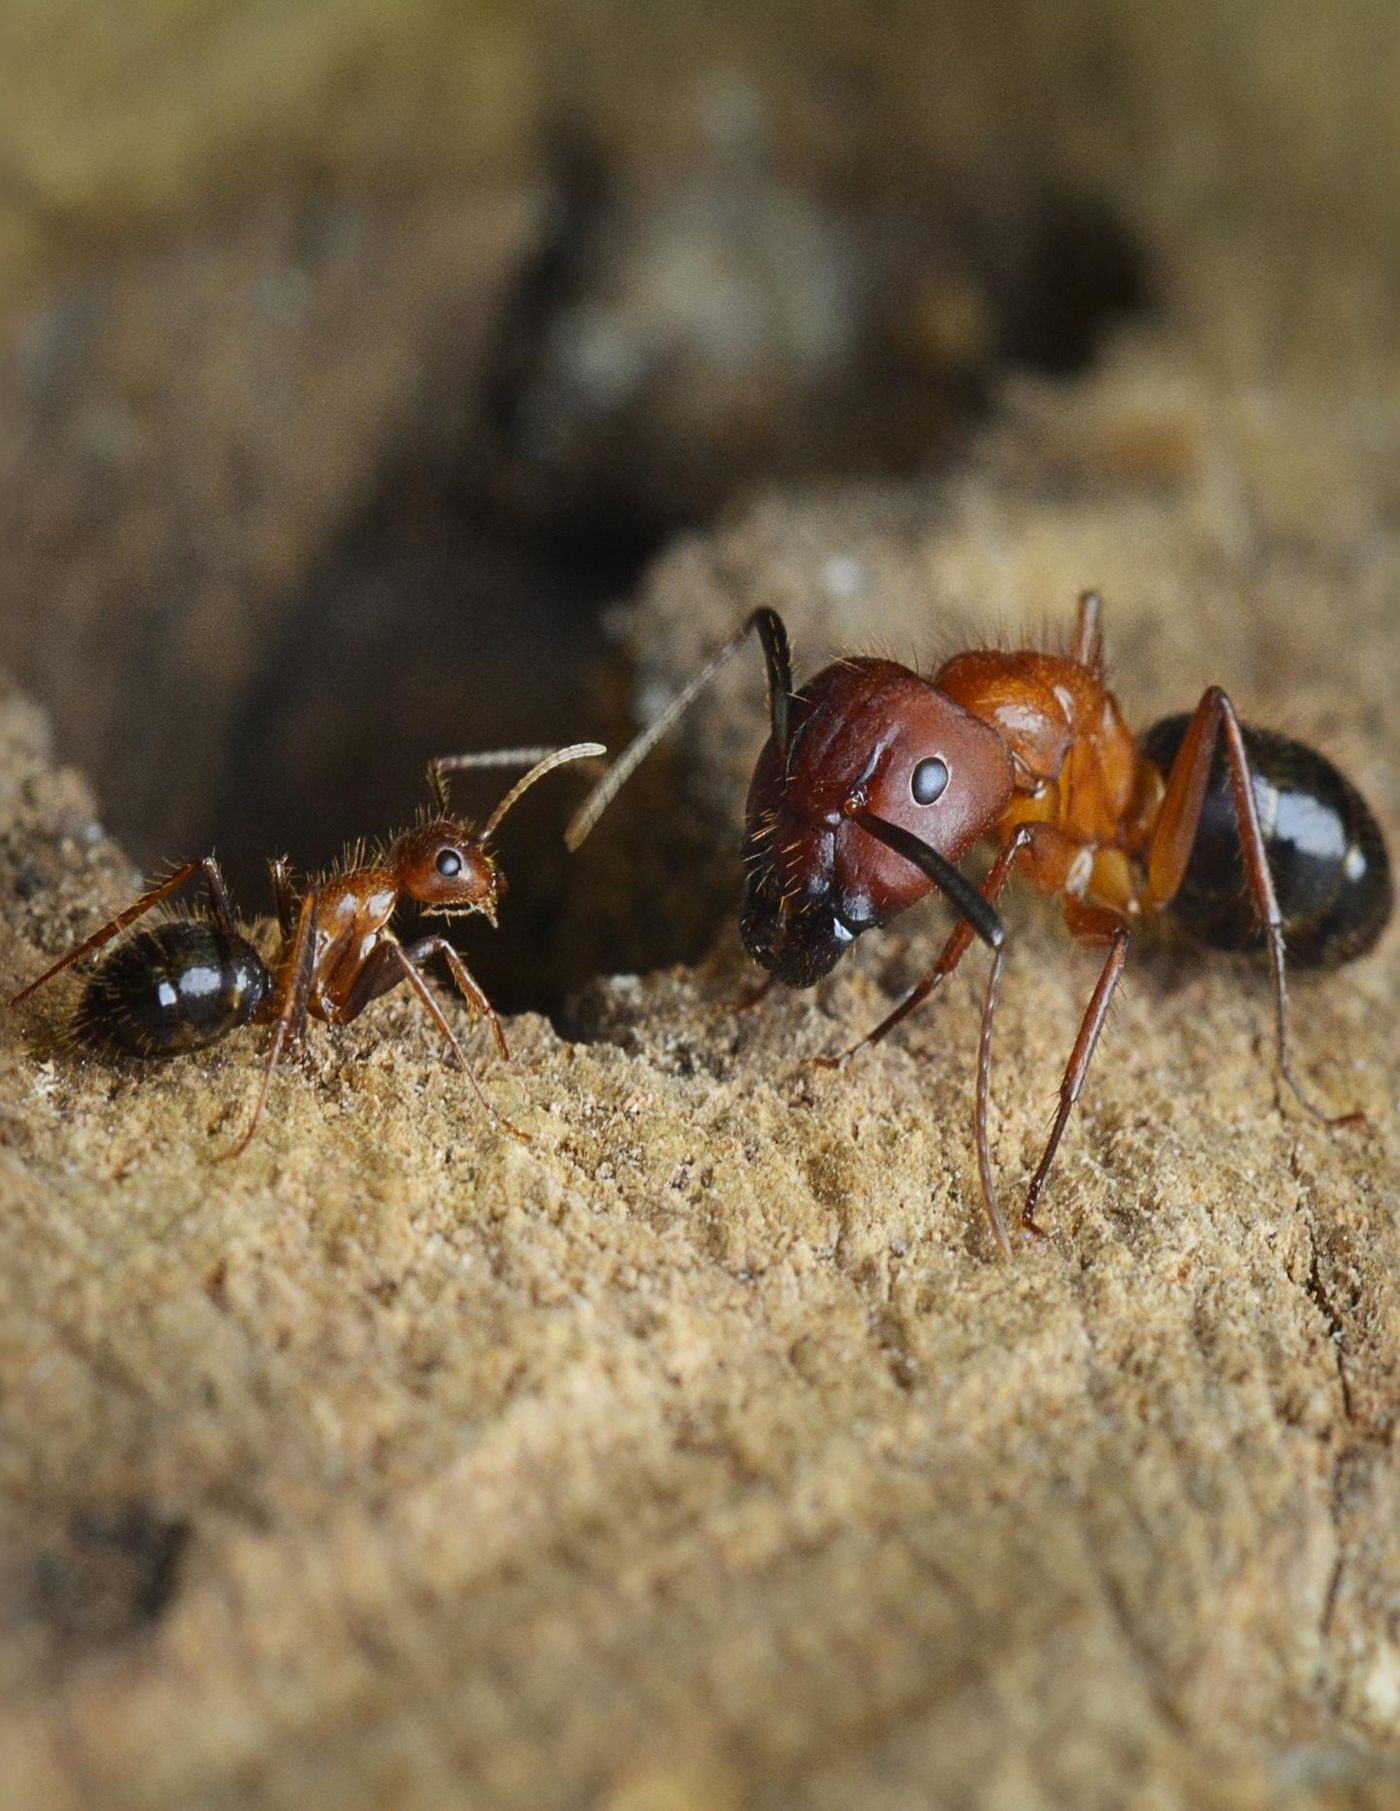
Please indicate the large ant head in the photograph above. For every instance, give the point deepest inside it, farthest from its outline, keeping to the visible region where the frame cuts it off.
(443, 863)
(864, 736)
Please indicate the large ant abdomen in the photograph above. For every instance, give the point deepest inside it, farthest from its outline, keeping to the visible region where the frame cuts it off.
(1325, 852)
(175, 988)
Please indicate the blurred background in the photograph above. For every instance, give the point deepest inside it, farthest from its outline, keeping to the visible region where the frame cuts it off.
(355, 354)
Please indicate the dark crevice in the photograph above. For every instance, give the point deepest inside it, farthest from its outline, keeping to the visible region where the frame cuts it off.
(460, 609)
(112, 1572)
(672, 340)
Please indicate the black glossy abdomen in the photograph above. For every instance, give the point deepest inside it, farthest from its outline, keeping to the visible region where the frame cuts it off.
(1326, 854)
(175, 988)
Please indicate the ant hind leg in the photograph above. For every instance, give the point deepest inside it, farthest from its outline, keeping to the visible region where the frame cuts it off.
(1173, 839)
(206, 868)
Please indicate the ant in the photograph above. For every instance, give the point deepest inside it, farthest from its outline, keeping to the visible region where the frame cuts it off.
(875, 783)
(190, 981)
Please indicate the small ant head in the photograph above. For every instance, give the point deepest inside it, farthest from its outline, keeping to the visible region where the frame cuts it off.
(443, 866)
(443, 863)
(863, 735)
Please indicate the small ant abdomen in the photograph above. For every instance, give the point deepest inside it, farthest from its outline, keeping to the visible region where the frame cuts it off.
(1325, 852)
(178, 987)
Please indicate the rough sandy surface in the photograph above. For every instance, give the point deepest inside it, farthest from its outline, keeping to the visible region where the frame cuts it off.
(701, 1455)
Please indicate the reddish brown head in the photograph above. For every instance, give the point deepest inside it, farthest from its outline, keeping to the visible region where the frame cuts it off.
(443, 866)
(443, 863)
(868, 735)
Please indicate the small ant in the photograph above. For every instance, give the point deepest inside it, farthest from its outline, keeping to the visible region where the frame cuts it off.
(190, 981)
(874, 783)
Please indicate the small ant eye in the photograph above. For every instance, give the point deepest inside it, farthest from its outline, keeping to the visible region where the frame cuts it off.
(928, 780)
(449, 863)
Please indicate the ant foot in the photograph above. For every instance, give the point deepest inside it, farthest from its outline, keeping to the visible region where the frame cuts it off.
(751, 996)
(1032, 1230)
(1333, 1121)
(235, 1150)
(1357, 1118)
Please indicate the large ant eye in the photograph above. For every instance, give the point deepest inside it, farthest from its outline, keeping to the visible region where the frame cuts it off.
(928, 780)
(449, 863)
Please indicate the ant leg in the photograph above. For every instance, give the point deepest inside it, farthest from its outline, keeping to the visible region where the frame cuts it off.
(420, 987)
(206, 868)
(981, 917)
(753, 996)
(1088, 633)
(279, 872)
(979, 1112)
(288, 1012)
(1088, 924)
(952, 954)
(1175, 833)
(777, 660)
(389, 964)
(467, 985)
(382, 971)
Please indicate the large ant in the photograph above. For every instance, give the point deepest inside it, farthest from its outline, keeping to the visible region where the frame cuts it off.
(874, 783)
(190, 981)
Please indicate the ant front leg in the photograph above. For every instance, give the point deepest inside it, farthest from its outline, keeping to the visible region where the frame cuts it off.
(1175, 834)
(220, 905)
(406, 961)
(1089, 924)
(467, 985)
(983, 921)
(952, 954)
(389, 964)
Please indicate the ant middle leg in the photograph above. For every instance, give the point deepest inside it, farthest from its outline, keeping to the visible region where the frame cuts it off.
(206, 868)
(288, 1009)
(1175, 834)
(1088, 924)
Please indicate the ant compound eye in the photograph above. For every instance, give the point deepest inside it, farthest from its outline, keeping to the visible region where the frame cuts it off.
(449, 863)
(928, 780)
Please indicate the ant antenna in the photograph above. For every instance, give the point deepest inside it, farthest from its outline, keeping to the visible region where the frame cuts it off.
(779, 664)
(545, 761)
(494, 757)
(437, 785)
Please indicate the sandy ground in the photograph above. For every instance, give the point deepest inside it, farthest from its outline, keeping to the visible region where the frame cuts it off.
(700, 1454)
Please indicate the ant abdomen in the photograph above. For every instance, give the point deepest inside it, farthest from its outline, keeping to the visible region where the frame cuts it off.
(1325, 852)
(177, 987)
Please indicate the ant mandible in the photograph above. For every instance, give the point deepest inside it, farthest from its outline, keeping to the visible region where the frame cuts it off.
(874, 783)
(190, 981)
